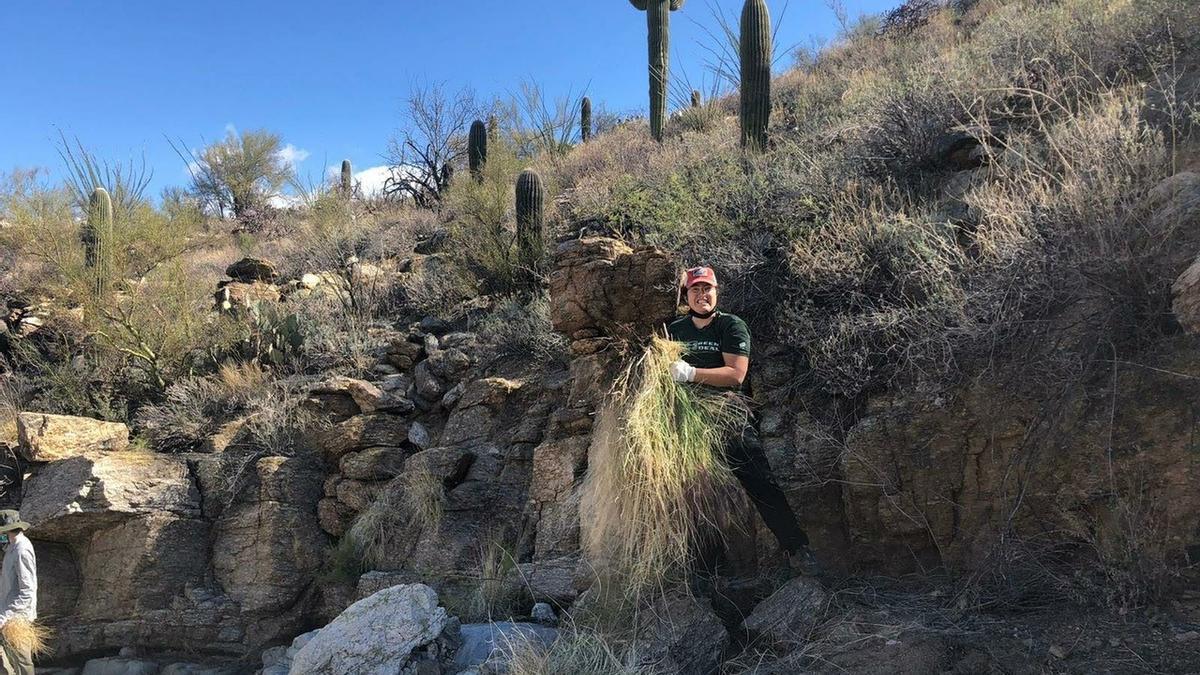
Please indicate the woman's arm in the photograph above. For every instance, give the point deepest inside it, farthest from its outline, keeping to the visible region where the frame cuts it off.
(732, 374)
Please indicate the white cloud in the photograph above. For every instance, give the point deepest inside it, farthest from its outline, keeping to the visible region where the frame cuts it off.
(372, 179)
(282, 201)
(291, 155)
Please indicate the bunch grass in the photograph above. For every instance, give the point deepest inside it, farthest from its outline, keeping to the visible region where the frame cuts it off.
(659, 470)
(24, 635)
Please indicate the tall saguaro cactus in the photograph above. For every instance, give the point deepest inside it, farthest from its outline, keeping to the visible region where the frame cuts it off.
(585, 119)
(477, 142)
(531, 196)
(755, 54)
(97, 240)
(658, 25)
(347, 178)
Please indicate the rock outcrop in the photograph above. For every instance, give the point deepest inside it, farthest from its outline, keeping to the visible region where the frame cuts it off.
(46, 438)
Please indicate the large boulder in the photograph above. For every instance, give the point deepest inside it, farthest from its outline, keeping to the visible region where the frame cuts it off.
(47, 438)
(358, 433)
(681, 634)
(602, 288)
(374, 636)
(786, 619)
(249, 270)
(69, 500)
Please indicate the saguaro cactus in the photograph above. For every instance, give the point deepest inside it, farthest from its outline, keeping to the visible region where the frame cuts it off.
(530, 199)
(696, 100)
(477, 143)
(658, 25)
(97, 240)
(585, 119)
(347, 178)
(756, 53)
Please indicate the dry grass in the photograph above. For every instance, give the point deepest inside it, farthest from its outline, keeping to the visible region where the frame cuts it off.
(578, 652)
(409, 504)
(27, 636)
(657, 472)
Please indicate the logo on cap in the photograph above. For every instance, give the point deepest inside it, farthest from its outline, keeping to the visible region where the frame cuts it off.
(700, 275)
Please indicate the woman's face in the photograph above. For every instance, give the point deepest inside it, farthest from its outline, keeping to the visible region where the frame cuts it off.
(702, 298)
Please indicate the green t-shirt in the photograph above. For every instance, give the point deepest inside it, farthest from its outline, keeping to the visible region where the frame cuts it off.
(725, 334)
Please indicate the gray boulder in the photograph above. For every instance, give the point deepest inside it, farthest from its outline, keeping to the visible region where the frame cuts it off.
(374, 636)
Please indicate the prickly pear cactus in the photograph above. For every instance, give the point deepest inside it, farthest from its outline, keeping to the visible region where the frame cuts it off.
(477, 142)
(756, 53)
(97, 241)
(658, 25)
(585, 119)
(530, 200)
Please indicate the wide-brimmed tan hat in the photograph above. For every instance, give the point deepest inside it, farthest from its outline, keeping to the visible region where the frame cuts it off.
(11, 520)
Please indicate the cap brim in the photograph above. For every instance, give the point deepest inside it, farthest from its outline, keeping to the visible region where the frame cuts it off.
(20, 525)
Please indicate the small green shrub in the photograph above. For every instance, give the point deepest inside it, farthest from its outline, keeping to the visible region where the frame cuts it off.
(521, 330)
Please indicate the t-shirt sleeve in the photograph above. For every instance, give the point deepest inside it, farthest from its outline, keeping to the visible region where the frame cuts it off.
(736, 338)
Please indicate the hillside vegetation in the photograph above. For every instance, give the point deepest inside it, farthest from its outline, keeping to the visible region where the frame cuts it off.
(948, 194)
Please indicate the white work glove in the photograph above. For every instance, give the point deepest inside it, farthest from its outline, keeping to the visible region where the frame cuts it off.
(682, 372)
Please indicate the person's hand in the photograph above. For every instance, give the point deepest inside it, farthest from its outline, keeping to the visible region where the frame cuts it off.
(682, 372)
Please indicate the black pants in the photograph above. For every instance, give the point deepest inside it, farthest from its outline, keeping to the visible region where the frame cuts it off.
(744, 453)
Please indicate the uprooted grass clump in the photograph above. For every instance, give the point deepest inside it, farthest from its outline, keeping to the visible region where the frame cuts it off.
(26, 636)
(658, 470)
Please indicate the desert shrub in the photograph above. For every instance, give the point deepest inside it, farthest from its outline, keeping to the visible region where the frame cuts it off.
(481, 215)
(439, 287)
(872, 294)
(521, 329)
(193, 408)
(695, 119)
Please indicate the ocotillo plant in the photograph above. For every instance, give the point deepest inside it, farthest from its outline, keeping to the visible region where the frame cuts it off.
(756, 52)
(530, 199)
(696, 101)
(585, 119)
(477, 142)
(97, 240)
(347, 178)
(658, 22)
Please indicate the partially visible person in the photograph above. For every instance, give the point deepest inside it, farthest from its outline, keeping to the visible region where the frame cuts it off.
(18, 589)
(718, 355)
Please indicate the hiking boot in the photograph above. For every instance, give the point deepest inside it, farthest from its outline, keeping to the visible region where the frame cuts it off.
(803, 562)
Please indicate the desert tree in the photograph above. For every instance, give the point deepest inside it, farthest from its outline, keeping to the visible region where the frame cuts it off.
(238, 174)
(431, 137)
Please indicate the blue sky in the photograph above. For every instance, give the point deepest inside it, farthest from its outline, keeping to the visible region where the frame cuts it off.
(329, 77)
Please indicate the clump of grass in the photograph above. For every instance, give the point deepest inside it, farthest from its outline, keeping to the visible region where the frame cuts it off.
(28, 636)
(495, 597)
(411, 502)
(575, 651)
(658, 469)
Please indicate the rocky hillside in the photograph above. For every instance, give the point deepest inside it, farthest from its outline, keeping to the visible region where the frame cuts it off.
(969, 259)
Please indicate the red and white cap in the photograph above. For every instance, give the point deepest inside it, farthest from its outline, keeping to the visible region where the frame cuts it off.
(699, 275)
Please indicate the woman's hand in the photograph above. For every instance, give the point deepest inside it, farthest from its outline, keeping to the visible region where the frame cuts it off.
(682, 372)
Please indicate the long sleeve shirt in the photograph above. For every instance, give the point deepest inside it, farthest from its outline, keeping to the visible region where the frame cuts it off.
(18, 580)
